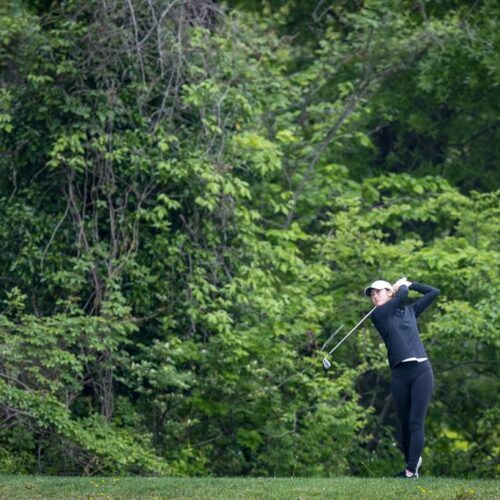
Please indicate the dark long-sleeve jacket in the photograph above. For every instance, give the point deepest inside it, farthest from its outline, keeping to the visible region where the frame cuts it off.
(397, 323)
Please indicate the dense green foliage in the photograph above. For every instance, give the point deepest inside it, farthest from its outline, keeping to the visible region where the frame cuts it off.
(193, 197)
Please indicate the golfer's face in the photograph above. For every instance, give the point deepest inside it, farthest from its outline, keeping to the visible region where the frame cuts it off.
(380, 297)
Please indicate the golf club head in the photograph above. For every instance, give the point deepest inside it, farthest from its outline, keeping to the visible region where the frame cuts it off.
(326, 363)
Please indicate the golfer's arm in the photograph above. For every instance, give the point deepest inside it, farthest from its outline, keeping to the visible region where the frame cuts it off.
(396, 302)
(430, 294)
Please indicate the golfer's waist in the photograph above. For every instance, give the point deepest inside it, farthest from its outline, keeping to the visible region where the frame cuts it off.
(405, 367)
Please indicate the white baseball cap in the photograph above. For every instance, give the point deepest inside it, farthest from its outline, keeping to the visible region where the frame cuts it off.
(378, 285)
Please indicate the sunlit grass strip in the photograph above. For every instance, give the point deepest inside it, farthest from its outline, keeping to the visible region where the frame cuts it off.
(251, 488)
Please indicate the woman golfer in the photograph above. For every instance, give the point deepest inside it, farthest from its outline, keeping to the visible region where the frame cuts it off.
(412, 379)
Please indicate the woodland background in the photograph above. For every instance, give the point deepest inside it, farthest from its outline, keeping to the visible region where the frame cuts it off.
(193, 195)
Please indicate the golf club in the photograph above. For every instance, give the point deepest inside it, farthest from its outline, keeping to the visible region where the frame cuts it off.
(327, 363)
(331, 337)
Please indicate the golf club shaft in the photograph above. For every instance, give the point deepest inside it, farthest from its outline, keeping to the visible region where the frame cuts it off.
(331, 337)
(359, 323)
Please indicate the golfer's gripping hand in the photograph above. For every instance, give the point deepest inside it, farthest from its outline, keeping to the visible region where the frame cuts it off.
(401, 282)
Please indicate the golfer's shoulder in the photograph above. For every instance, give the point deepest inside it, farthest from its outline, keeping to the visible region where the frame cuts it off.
(381, 312)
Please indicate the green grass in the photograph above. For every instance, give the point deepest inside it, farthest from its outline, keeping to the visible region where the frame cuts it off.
(69, 488)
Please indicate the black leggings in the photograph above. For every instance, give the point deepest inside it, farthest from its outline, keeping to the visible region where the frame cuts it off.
(412, 385)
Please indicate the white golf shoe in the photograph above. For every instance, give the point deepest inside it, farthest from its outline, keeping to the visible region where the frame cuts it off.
(419, 463)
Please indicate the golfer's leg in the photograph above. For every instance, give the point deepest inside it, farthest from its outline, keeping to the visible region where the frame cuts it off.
(401, 395)
(421, 393)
